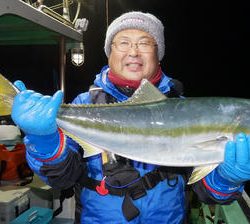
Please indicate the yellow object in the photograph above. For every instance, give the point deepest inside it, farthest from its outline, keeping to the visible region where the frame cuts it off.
(6, 96)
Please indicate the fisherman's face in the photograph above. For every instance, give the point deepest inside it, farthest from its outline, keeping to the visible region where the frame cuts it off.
(133, 64)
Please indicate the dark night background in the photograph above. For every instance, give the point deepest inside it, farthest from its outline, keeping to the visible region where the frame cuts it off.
(207, 46)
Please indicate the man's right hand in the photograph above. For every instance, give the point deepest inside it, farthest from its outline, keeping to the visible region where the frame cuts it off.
(35, 113)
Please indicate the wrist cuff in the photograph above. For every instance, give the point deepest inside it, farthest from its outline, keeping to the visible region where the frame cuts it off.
(47, 147)
(219, 186)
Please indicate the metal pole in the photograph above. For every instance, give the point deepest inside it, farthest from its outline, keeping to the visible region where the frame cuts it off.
(62, 64)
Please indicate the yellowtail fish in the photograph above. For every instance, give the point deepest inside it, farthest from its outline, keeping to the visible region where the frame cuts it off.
(151, 128)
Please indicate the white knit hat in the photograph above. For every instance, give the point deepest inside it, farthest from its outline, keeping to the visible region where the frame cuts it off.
(137, 20)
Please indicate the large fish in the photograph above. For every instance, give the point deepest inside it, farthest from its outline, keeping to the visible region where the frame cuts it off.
(152, 128)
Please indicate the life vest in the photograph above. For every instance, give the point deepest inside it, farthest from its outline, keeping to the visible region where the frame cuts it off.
(121, 178)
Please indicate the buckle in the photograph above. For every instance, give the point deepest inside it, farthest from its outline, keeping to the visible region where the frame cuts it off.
(102, 189)
(151, 179)
(137, 190)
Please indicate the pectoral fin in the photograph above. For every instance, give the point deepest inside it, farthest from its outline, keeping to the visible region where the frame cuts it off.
(200, 172)
(218, 142)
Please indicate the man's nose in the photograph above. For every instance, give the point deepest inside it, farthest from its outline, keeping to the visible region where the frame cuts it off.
(133, 50)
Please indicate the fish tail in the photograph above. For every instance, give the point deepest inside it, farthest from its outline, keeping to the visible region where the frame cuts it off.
(7, 94)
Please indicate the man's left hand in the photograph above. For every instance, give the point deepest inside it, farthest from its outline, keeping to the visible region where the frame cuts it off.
(236, 165)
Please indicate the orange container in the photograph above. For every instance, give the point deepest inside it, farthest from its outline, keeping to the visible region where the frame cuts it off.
(13, 163)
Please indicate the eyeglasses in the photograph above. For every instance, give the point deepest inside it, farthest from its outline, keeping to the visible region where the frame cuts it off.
(144, 46)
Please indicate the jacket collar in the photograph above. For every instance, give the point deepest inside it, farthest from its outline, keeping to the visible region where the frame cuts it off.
(103, 81)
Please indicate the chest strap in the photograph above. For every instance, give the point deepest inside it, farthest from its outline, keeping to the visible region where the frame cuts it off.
(131, 191)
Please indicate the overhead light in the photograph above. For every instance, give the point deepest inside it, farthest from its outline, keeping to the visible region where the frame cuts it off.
(77, 54)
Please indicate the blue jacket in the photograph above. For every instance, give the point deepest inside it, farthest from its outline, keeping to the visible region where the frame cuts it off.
(165, 203)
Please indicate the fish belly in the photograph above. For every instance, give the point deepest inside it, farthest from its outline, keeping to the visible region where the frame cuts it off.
(185, 150)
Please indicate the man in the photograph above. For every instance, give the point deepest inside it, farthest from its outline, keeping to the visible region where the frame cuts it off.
(134, 46)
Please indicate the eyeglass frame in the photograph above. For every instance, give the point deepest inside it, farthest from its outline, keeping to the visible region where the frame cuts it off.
(131, 44)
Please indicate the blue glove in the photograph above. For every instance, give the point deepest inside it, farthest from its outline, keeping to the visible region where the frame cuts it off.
(35, 115)
(229, 177)
(20, 85)
(236, 165)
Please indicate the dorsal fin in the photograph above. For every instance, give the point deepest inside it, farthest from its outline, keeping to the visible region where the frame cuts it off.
(146, 93)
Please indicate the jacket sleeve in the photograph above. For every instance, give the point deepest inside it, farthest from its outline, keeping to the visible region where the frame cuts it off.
(63, 168)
